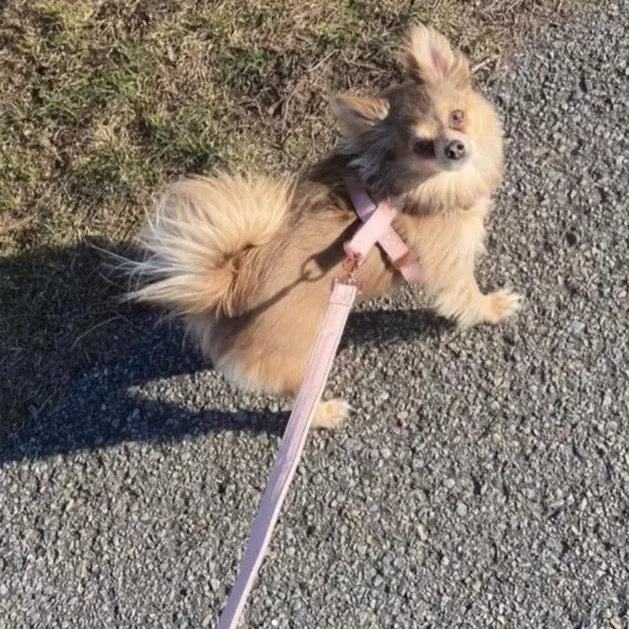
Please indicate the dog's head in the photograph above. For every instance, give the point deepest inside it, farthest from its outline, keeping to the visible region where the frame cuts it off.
(434, 138)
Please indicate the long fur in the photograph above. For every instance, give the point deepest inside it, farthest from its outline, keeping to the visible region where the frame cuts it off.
(248, 262)
(197, 238)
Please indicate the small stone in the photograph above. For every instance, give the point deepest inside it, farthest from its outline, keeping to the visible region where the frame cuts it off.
(402, 415)
(576, 327)
(422, 532)
(215, 584)
(461, 509)
(449, 483)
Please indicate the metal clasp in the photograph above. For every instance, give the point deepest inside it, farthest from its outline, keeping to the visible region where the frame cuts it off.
(350, 265)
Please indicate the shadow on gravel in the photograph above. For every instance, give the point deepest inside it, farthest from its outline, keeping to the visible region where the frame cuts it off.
(374, 327)
(105, 407)
(58, 317)
(73, 361)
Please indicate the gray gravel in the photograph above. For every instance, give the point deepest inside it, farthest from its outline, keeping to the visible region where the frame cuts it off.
(482, 482)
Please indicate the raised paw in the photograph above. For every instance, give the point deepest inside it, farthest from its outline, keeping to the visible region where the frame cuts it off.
(502, 304)
(331, 414)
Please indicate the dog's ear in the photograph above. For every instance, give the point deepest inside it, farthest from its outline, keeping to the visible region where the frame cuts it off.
(358, 114)
(429, 58)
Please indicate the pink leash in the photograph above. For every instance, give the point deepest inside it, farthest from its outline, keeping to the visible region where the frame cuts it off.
(376, 228)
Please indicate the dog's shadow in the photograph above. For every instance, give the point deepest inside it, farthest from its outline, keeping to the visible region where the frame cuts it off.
(101, 404)
(379, 326)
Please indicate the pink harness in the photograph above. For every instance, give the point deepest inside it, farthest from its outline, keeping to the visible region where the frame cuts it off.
(376, 229)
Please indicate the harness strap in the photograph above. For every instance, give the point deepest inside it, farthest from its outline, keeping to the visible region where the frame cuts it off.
(398, 253)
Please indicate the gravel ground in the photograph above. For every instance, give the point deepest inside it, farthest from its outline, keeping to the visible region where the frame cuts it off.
(483, 480)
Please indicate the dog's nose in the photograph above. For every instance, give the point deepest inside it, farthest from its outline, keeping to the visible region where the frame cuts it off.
(455, 150)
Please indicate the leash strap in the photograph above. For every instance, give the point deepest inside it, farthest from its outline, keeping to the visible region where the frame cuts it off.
(319, 365)
(376, 227)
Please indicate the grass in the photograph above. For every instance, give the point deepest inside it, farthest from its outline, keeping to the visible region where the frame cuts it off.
(104, 100)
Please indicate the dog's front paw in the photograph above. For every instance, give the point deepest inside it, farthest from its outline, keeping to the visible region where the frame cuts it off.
(502, 304)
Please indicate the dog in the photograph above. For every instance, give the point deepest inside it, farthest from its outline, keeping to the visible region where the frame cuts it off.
(248, 262)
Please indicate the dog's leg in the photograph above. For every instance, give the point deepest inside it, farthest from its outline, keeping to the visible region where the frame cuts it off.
(463, 301)
(331, 414)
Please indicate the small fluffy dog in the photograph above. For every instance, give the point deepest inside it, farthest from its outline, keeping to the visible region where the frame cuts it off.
(248, 262)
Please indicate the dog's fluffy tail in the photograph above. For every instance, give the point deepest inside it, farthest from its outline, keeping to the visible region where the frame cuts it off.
(195, 241)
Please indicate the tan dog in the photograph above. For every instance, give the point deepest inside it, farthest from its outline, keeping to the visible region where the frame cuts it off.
(248, 262)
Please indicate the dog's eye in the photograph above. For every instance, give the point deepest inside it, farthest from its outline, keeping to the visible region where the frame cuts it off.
(456, 118)
(424, 148)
